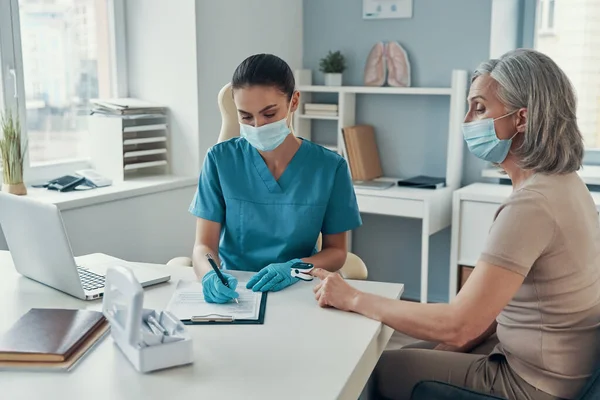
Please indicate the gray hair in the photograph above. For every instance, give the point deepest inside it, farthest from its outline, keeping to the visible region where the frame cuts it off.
(552, 142)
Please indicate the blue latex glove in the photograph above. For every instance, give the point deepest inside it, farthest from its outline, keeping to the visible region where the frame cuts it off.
(214, 290)
(273, 277)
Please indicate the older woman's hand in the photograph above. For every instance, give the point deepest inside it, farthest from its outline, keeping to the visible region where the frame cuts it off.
(334, 291)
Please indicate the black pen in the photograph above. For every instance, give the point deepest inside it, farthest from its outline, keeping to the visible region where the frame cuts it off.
(217, 270)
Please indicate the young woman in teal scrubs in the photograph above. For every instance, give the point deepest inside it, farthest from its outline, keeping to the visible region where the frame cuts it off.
(264, 198)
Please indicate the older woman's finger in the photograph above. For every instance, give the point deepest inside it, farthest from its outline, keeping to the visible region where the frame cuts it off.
(318, 287)
(322, 300)
(318, 294)
(320, 273)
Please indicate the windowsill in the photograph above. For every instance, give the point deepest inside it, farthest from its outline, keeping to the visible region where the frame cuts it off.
(118, 191)
(547, 32)
(590, 174)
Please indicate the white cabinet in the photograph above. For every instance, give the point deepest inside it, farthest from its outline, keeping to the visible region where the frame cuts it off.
(473, 210)
(476, 220)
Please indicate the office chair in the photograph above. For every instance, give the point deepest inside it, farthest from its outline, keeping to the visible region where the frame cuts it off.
(354, 267)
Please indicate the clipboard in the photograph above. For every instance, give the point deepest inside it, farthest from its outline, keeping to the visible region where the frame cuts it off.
(217, 319)
(189, 306)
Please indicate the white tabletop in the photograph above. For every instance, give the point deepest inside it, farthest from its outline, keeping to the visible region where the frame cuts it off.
(301, 352)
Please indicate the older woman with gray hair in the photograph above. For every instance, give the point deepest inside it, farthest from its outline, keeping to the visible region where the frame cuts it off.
(526, 323)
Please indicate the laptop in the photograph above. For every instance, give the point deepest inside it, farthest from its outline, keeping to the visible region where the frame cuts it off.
(41, 251)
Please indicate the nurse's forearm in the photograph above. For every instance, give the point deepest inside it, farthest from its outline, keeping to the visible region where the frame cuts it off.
(200, 262)
(331, 259)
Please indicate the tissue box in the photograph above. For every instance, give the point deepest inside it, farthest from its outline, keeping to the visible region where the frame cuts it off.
(123, 307)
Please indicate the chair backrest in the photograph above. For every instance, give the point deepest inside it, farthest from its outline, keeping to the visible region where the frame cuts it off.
(230, 126)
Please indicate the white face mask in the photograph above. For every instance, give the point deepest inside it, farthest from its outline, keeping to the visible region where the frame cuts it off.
(267, 137)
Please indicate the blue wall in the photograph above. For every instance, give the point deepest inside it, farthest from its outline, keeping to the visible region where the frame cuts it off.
(411, 130)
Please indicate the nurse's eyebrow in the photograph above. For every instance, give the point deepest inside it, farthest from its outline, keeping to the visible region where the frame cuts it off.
(268, 108)
(261, 111)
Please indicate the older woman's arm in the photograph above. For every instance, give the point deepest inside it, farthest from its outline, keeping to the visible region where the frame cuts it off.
(469, 346)
(523, 228)
(473, 310)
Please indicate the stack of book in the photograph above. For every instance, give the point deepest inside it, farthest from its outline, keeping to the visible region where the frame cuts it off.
(126, 106)
(51, 339)
(321, 110)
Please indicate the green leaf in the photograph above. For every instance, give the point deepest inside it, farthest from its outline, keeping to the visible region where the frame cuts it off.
(12, 153)
(333, 63)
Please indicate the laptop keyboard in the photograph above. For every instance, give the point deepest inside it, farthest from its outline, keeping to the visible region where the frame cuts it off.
(90, 280)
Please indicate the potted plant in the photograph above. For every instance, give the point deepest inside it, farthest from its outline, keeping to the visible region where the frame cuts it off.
(332, 65)
(12, 154)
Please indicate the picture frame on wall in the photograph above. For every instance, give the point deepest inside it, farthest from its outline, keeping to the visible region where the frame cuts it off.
(387, 9)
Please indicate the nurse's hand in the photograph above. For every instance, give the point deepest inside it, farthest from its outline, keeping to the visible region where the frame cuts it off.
(334, 291)
(273, 277)
(214, 290)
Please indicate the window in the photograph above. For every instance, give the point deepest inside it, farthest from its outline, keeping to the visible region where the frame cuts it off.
(569, 33)
(65, 60)
(545, 16)
(60, 54)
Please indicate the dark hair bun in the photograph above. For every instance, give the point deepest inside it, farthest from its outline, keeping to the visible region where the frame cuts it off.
(264, 70)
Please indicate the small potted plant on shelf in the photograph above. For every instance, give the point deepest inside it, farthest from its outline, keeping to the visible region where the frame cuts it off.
(12, 154)
(332, 65)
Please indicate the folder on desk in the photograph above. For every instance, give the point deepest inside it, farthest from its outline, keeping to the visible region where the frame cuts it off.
(188, 304)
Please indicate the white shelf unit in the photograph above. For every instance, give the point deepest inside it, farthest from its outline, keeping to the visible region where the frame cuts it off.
(432, 207)
(127, 146)
(325, 117)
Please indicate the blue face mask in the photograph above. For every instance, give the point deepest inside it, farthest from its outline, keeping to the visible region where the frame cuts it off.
(483, 142)
(267, 137)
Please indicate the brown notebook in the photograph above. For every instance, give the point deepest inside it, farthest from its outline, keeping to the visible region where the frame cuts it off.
(362, 152)
(48, 335)
(86, 346)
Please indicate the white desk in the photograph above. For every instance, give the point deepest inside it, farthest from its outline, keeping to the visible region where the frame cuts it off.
(301, 352)
(474, 207)
(432, 207)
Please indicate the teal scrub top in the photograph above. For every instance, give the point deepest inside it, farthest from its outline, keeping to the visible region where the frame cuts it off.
(264, 220)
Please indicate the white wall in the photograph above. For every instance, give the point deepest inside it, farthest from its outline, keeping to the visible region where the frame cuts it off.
(161, 66)
(227, 33)
(151, 228)
(182, 52)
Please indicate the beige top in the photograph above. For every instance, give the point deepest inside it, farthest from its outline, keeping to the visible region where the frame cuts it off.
(548, 231)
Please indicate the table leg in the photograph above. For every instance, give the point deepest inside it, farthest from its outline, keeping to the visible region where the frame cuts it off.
(424, 258)
(349, 241)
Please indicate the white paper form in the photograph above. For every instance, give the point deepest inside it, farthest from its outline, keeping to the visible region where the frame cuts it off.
(188, 303)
